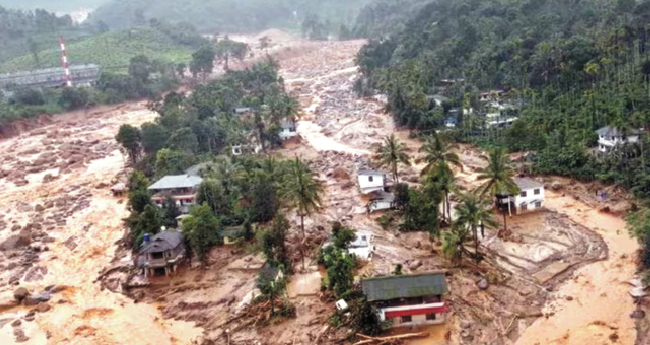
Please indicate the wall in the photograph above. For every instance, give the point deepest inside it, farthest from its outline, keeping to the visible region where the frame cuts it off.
(418, 320)
(377, 182)
(530, 197)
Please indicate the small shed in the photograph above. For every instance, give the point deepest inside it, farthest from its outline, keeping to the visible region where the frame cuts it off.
(232, 234)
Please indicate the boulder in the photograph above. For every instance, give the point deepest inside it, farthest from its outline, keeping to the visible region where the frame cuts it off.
(341, 174)
(16, 323)
(43, 296)
(22, 239)
(71, 243)
(556, 185)
(39, 208)
(637, 314)
(21, 293)
(483, 284)
(413, 266)
(24, 207)
(43, 307)
(29, 301)
(20, 335)
(7, 301)
(48, 239)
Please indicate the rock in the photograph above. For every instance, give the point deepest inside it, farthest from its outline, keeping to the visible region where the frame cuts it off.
(22, 239)
(20, 335)
(24, 207)
(7, 301)
(466, 324)
(48, 239)
(57, 289)
(39, 208)
(29, 318)
(483, 284)
(70, 242)
(569, 298)
(21, 293)
(43, 307)
(637, 314)
(16, 227)
(29, 301)
(556, 185)
(43, 296)
(413, 266)
(340, 173)
(16, 323)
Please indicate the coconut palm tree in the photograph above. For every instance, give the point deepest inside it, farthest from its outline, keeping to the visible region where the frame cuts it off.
(473, 213)
(302, 191)
(453, 244)
(498, 179)
(443, 178)
(391, 153)
(437, 150)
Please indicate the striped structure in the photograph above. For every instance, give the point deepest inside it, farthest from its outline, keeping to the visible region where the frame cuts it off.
(64, 63)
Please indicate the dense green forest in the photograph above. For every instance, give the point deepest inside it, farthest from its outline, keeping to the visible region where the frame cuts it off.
(567, 68)
(228, 15)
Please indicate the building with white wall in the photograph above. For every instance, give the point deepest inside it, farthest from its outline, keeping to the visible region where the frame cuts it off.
(408, 300)
(530, 197)
(610, 137)
(371, 181)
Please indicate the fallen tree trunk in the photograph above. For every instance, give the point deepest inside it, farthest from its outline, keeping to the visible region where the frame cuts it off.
(372, 340)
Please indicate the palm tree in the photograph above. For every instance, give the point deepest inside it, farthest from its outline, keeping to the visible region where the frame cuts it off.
(498, 179)
(445, 183)
(453, 244)
(437, 150)
(302, 191)
(391, 153)
(473, 213)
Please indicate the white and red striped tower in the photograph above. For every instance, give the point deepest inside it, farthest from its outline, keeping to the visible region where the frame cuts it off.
(64, 62)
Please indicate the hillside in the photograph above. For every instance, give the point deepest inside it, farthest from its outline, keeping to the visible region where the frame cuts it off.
(226, 15)
(111, 49)
(53, 6)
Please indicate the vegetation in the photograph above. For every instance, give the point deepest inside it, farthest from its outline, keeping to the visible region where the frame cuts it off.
(391, 154)
(473, 213)
(339, 263)
(228, 15)
(498, 180)
(273, 244)
(201, 229)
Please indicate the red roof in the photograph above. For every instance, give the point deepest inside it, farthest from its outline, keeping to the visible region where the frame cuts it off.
(398, 313)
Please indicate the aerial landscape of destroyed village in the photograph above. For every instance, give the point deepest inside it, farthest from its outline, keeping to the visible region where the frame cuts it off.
(304, 172)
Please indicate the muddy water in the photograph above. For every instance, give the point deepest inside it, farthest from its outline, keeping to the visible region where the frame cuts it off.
(601, 305)
(314, 135)
(84, 314)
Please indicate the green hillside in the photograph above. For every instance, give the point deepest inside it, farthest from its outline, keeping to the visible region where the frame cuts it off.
(111, 49)
(226, 15)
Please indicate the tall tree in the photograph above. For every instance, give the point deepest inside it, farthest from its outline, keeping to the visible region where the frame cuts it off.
(391, 154)
(203, 61)
(453, 244)
(130, 138)
(437, 150)
(498, 179)
(302, 191)
(473, 213)
(201, 228)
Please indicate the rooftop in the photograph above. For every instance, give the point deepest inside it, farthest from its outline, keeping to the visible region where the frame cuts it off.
(162, 241)
(526, 183)
(609, 131)
(403, 286)
(176, 181)
(370, 172)
(233, 231)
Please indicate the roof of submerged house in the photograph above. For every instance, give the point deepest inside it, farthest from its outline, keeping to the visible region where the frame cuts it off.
(415, 285)
(162, 241)
(176, 181)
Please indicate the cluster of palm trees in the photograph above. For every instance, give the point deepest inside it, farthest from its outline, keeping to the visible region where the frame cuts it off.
(473, 212)
(265, 185)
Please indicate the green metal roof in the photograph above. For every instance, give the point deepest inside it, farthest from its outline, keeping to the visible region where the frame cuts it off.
(176, 181)
(414, 285)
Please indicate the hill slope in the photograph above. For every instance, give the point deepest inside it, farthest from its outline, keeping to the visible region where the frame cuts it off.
(226, 15)
(111, 49)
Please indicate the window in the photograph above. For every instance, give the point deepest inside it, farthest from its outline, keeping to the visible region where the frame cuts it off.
(536, 191)
(538, 204)
(431, 317)
(524, 207)
(407, 318)
(155, 256)
(369, 178)
(524, 194)
(363, 238)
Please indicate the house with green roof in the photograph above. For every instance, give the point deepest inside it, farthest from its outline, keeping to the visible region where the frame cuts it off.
(181, 188)
(408, 300)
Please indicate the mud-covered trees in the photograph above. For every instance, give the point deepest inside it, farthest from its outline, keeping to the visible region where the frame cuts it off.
(201, 229)
(474, 213)
(363, 317)
(340, 265)
(301, 190)
(130, 138)
(273, 242)
(497, 178)
(391, 154)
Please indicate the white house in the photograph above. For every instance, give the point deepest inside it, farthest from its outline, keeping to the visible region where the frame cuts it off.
(371, 181)
(384, 201)
(181, 188)
(408, 300)
(609, 137)
(361, 246)
(530, 197)
(288, 129)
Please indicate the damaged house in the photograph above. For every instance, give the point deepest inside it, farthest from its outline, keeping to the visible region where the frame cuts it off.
(162, 253)
(408, 300)
(530, 197)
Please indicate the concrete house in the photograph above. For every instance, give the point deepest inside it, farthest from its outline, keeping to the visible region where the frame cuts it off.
(371, 181)
(288, 129)
(408, 300)
(181, 188)
(610, 137)
(530, 197)
(242, 112)
(384, 201)
(361, 246)
(162, 253)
